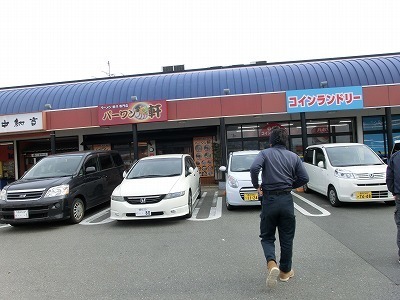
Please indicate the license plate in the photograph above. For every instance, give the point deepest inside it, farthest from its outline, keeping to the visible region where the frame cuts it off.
(251, 197)
(21, 214)
(363, 195)
(143, 212)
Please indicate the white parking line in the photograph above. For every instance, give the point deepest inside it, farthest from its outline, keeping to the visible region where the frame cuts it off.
(198, 205)
(215, 210)
(96, 216)
(324, 212)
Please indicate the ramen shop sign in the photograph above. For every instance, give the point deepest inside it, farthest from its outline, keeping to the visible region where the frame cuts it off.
(132, 112)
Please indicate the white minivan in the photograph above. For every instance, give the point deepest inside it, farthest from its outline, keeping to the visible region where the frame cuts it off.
(346, 172)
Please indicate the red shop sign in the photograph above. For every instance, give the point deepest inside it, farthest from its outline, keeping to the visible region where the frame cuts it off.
(266, 130)
(132, 112)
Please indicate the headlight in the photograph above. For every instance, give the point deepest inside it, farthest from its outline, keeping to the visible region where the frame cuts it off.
(60, 190)
(174, 195)
(117, 198)
(232, 181)
(345, 174)
(3, 194)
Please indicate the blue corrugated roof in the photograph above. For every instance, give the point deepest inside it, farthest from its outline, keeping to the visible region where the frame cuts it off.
(361, 71)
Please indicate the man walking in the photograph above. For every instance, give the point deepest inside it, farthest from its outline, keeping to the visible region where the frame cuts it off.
(282, 171)
(393, 184)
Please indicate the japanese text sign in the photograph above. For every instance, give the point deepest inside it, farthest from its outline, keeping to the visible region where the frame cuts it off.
(326, 99)
(132, 112)
(21, 122)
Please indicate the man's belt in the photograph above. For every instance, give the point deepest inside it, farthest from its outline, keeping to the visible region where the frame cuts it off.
(278, 192)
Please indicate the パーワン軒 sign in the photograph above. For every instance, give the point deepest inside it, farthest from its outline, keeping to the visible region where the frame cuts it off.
(132, 112)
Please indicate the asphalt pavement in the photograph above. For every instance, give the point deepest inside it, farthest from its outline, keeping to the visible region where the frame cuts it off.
(218, 258)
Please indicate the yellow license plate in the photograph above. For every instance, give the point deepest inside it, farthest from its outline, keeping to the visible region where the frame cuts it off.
(363, 195)
(251, 197)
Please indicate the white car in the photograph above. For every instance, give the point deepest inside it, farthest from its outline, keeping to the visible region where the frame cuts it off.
(346, 172)
(239, 189)
(160, 186)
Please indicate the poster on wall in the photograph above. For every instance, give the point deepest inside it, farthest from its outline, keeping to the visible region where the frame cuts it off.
(203, 155)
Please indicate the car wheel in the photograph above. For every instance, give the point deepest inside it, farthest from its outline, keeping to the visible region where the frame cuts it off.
(306, 189)
(190, 204)
(333, 197)
(199, 195)
(390, 203)
(77, 211)
(228, 206)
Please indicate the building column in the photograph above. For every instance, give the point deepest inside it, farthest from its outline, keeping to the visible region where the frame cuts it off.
(135, 142)
(389, 130)
(53, 142)
(224, 148)
(304, 140)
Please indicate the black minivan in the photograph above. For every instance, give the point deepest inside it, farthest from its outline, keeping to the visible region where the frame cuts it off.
(62, 186)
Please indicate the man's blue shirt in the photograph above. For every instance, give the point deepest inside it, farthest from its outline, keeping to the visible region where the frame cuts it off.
(393, 174)
(281, 169)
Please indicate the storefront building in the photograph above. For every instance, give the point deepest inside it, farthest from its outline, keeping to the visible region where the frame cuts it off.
(206, 113)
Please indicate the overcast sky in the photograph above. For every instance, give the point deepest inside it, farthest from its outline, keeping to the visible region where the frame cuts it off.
(53, 40)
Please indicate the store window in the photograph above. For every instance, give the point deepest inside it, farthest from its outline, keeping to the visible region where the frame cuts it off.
(375, 133)
(296, 145)
(251, 145)
(233, 132)
(249, 130)
(7, 164)
(243, 137)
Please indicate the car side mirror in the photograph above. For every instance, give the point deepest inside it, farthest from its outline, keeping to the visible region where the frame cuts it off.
(321, 164)
(222, 168)
(191, 170)
(90, 170)
(124, 174)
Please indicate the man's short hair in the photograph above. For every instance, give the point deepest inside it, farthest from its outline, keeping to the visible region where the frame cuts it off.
(279, 136)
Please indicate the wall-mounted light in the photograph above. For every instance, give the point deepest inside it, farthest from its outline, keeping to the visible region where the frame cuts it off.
(133, 98)
(323, 84)
(47, 106)
(227, 91)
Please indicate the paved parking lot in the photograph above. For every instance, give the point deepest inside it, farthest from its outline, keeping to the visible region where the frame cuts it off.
(340, 253)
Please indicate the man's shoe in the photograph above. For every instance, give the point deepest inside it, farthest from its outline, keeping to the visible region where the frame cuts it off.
(286, 276)
(273, 273)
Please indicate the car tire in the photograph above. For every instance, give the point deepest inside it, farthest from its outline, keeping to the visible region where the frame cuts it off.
(390, 203)
(228, 206)
(199, 195)
(190, 204)
(306, 189)
(333, 197)
(77, 211)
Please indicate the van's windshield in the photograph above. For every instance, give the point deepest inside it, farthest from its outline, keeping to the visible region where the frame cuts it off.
(357, 155)
(159, 167)
(54, 166)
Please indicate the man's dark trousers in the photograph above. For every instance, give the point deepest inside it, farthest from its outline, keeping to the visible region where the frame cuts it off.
(278, 211)
(397, 221)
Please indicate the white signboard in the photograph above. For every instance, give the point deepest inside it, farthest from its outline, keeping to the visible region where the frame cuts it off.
(21, 122)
